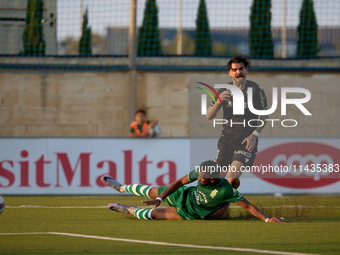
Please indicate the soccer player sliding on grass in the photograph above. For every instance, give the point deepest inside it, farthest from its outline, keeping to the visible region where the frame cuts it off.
(209, 199)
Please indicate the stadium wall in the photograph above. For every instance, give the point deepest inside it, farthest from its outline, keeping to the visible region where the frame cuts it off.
(95, 104)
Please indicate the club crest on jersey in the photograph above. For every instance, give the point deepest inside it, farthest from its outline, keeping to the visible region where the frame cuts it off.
(234, 191)
(213, 193)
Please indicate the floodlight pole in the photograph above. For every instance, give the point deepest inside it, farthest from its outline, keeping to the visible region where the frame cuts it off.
(284, 30)
(132, 62)
(179, 28)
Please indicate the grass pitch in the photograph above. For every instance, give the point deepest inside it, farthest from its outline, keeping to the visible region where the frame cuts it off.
(313, 226)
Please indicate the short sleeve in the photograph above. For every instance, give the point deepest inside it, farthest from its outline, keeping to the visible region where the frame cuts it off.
(193, 175)
(235, 197)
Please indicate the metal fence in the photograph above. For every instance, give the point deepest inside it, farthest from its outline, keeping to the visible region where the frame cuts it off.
(94, 34)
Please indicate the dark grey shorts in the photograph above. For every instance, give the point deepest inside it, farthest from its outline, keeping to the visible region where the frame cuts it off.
(231, 149)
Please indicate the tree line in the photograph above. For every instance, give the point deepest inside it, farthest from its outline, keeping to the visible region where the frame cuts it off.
(149, 44)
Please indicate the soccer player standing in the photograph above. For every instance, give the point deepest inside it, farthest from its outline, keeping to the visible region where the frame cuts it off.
(237, 146)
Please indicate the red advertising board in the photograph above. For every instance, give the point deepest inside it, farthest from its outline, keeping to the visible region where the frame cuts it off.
(308, 164)
(75, 165)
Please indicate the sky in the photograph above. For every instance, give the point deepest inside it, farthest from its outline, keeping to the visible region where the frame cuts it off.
(221, 14)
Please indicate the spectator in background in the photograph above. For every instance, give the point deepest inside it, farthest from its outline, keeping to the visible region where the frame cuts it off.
(141, 127)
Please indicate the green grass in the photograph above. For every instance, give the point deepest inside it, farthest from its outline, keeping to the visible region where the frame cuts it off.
(313, 224)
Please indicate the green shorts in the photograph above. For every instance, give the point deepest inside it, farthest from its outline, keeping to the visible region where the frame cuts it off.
(175, 200)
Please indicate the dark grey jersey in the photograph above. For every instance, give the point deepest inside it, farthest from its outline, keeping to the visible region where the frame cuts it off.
(238, 124)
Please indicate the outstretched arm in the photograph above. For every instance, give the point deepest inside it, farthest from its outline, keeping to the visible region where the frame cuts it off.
(168, 191)
(257, 212)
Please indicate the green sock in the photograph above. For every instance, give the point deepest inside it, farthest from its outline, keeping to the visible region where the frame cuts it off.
(143, 214)
(138, 190)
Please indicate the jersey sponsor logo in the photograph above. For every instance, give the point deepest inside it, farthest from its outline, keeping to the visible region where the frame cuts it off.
(310, 165)
(213, 193)
(200, 197)
(244, 153)
(196, 196)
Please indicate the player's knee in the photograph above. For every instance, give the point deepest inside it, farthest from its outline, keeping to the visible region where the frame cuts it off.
(153, 193)
(235, 183)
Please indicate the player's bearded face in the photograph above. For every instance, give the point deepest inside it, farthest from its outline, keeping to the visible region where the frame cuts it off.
(238, 73)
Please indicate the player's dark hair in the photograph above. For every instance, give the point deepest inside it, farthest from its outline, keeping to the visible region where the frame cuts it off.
(239, 59)
(209, 169)
(208, 163)
(140, 111)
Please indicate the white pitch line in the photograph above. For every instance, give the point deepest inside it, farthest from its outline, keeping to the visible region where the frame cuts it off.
(27, 233)
(95, 207)
(180, 245)
(165, 244)
(55, 207)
